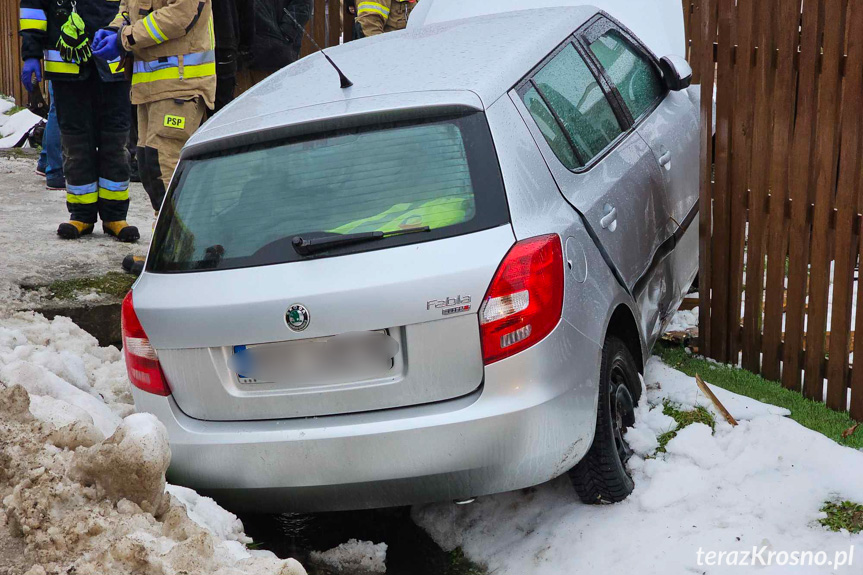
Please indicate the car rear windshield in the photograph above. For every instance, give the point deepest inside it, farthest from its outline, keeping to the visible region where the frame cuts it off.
(244, 207)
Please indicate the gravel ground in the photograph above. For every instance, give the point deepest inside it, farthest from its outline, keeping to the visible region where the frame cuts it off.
(30, 216)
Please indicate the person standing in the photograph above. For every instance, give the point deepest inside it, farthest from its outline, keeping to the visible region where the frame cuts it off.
(278, 35)
(234, 25)
(92, 103)
(173, 78)
(50, 164)
(381, 16)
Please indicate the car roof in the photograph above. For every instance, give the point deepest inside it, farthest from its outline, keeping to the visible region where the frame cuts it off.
(658, 23)
(482, 58)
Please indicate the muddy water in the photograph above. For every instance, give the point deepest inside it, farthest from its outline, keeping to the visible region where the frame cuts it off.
(410, 550)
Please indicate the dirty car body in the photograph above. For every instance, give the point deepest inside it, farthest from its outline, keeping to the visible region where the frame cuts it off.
(455, 155)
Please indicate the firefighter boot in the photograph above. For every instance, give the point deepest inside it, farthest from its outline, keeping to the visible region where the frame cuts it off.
(73, 230)
(121, 230)
(134, 264)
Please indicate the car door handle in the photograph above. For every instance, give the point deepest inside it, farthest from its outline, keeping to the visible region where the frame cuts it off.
(665, 160)
(610, 218)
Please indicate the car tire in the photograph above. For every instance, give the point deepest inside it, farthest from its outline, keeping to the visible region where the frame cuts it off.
(601, 475)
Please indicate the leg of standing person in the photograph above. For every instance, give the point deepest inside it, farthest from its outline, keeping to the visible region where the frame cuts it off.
(160, 141)
(76, 102)
(132, 146)
(52, 148)
(226, 78)
(113, 136)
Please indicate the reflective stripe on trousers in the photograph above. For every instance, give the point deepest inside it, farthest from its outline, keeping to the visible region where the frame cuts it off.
(195, 65)
(110, 190)
(82, 194)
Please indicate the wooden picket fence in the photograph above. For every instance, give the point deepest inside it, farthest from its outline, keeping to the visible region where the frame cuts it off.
(782, 190)
(330, 21)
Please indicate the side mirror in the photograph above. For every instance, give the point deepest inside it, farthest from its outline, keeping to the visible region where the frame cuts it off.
(676, 72)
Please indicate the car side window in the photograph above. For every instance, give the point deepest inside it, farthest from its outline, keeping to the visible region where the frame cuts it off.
(636, 78)
(550, 129)
(572, 92)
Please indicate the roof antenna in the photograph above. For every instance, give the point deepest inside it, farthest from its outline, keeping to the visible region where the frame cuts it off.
(345, 82)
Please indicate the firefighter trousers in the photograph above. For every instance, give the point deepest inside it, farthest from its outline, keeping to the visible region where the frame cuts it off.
(163, 128)
(94, 124)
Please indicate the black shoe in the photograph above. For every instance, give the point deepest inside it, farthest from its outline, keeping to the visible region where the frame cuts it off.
(121, 230)
(134, 264)
(72, 230)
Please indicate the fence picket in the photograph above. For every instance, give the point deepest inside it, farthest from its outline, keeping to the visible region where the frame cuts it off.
(721, 187)
(741, 151)
(703, 49)
(801, 148)
(846, 204)
(825, 184)
(787, 36)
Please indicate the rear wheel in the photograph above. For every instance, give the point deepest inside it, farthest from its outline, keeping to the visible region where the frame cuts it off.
(601, 476)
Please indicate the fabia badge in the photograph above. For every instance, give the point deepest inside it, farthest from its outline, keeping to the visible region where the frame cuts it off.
(297, 317)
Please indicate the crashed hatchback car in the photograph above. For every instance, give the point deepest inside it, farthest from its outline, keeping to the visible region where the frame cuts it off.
(439, 282)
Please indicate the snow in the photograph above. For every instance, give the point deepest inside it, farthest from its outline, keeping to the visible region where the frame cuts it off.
(6, 104)
(354, 558)
(683, 321)
(82, 477)
(209, 515)
(14, 127)
(760, 484)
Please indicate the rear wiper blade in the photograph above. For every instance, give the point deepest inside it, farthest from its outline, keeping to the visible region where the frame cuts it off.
(305, 247)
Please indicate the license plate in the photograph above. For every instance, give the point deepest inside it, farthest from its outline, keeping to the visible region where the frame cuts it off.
(346, 357)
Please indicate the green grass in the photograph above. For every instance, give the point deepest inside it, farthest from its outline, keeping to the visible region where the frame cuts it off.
(812, 414)
(114, 284)
(14, 110)
(683, 418)
(843, 515)
(461, 565)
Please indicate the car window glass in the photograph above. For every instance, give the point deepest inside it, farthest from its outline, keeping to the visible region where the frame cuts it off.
(637, 80)
(242, 207)
(550, 129)
(573, 93)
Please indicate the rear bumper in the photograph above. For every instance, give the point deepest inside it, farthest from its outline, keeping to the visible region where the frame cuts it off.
(532, 420)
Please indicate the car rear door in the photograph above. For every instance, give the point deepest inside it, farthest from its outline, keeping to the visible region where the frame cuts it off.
(605, 170)
(666, 120)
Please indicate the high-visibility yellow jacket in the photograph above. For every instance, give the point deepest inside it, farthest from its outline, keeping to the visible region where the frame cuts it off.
(174, 48)
(378, 16)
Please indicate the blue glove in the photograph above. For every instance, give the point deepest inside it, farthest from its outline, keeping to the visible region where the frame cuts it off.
(31, 66)
(100, 37)
(107, 46)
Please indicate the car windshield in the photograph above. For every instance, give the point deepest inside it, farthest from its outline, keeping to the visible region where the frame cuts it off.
(243, 208)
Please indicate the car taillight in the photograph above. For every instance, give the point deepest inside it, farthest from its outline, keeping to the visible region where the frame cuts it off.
(523, 303)
(142, 363)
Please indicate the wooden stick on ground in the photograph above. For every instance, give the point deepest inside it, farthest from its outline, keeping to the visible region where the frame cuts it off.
(703, 387)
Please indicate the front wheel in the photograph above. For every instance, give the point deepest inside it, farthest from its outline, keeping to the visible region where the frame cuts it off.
(601, 476)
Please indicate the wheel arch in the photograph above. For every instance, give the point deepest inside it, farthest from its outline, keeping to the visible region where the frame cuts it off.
(622, 325)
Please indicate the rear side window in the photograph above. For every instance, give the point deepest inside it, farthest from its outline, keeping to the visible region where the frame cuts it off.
(243, 208)
(636, 78)
(550, 129)
(571, 90)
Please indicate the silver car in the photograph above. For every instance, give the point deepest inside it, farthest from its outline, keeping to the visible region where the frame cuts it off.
(437, 283)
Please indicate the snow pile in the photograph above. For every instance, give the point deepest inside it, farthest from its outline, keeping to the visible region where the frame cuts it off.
(82, 481)
(353, 558)
(209, 515)
(684, 321)
(760, 484)
(13, 128)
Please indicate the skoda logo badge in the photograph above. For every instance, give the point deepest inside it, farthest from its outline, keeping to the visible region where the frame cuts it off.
(297, 317)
